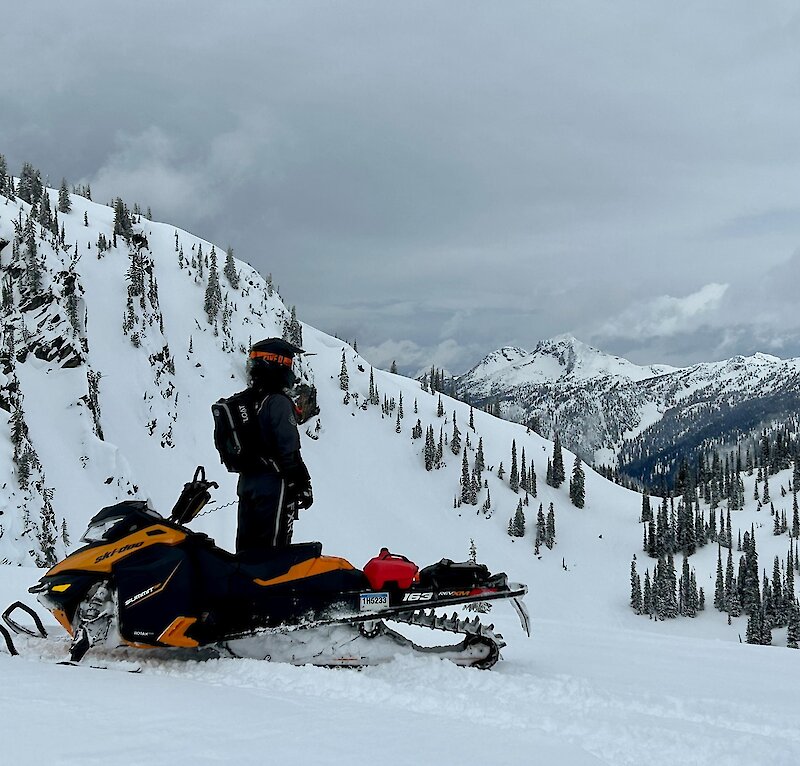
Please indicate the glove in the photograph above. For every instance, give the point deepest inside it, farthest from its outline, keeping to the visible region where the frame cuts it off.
(298, 486)
(300, 496)
(305, 498)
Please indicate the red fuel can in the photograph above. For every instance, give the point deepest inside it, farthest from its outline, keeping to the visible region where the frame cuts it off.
(391, 570)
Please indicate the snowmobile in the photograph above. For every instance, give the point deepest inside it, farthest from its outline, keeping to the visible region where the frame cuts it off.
(145, 581)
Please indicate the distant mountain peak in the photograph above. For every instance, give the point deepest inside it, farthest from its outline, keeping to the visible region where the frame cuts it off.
(599, 402)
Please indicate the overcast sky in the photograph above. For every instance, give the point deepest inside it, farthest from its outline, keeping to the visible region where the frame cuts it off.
(439, 179)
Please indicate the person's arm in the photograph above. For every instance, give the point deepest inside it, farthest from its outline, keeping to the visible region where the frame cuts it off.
(280, 430)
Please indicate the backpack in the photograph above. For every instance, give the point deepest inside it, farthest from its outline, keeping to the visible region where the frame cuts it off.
(236, 431)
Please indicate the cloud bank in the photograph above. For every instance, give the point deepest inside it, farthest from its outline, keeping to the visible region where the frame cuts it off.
(438, 180)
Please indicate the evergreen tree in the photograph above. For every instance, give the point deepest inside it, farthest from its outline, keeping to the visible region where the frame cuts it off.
(780, 616)
(541, 526)
(476, 606)
(729, 533)
(64, 202)
(480, 462)
(33, 266)
(732, 603)
(344, 378)
(430, 449)
(719, 587)
(647, 595)
(466, 480)
(44, 210)
(647, 511)
(636, 589)
(754, 628)
(122, 221)
(766, 630)
(293, 330)
(750, 594)
(374, 398)
(213, 300)
(29, 187)
(577, 491)
(558, 463)
(455, 442)
(230, 269)
(550, 527)
(47, 534)
(670, 589)
(513, 476)
(793, 632)
(518, 522)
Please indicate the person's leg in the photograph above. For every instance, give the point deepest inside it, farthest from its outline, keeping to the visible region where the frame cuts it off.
(260, 504)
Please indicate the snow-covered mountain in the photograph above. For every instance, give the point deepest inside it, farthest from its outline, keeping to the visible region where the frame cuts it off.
(110, 356)
(609, 410)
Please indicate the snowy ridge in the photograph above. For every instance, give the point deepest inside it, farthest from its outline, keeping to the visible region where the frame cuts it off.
(112, 384)
(599, 403)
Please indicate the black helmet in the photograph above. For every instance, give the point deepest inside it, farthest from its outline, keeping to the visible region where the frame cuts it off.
(270, 362)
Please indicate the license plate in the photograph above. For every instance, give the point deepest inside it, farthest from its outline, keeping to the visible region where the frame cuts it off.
(373, 601)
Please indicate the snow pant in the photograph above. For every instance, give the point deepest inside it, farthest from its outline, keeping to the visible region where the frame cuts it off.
(265, 522)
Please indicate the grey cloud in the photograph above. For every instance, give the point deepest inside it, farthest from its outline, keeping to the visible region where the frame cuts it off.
(443, 178)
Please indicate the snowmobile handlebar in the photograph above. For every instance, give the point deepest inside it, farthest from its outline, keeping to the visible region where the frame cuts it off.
(193, 498)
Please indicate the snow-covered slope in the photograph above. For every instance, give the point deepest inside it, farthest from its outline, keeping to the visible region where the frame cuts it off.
(610, 410)
(111, 390)
(595, 684)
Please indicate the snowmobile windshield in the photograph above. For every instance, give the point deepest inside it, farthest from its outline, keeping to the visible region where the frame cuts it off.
(118, 520)
(99, 530)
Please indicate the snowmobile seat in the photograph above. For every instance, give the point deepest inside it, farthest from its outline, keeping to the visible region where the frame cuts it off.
(264, 564)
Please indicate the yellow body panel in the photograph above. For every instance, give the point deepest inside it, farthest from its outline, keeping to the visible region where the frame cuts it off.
(175, 634)
(308, 568)
(101, 558)
(63, 620)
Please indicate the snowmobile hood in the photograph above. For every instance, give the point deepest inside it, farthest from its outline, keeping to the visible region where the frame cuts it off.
(101, 558)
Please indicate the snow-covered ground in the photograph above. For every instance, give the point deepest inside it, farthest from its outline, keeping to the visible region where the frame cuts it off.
(574, 694)
(595, 683)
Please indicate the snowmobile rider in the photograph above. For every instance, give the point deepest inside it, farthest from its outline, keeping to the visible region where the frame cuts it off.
(278, 483)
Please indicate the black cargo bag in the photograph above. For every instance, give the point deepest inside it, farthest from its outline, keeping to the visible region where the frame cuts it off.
(448, 574)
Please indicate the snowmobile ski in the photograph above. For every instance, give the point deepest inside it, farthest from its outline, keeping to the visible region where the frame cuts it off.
(120, 669)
